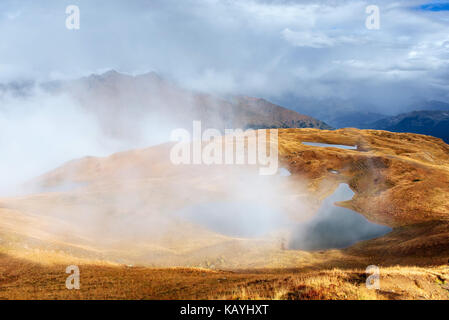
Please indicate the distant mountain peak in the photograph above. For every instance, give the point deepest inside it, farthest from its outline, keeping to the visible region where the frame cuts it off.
(128, 105)
(111, 73)
(428, 122)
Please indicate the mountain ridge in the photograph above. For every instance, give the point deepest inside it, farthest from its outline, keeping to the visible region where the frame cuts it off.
(434, 123)
(149, 94)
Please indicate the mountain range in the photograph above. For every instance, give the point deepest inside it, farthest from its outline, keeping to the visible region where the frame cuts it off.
(126, 105)
(122, 102)
(433, 123)
(429, 118)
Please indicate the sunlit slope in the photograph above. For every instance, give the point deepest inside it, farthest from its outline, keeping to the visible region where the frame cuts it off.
(125, 208)
(398, 178)
(22, 279)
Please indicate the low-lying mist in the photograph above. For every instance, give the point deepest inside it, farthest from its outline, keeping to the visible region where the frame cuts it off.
(138, 200)
(40, 131)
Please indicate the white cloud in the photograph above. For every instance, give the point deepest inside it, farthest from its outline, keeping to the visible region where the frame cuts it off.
(307, 39)
(13, 15)
(314, 39)
(265, 48)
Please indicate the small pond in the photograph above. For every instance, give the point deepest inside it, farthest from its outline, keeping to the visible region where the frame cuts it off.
(335, 227)
(326, 145)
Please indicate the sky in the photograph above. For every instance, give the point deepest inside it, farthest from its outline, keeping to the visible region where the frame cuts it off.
(283, 50)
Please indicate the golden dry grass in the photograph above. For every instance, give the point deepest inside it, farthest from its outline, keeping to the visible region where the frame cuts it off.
(401, 180)
(21, 279)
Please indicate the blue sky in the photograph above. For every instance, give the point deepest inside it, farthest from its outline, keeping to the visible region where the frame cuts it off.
(438, 6)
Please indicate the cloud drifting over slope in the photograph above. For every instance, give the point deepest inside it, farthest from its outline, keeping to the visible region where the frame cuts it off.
(313, 49)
